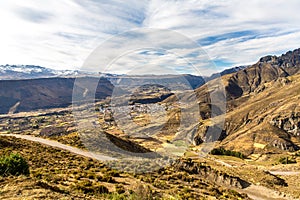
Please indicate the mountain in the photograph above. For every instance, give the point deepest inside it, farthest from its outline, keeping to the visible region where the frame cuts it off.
(172, 82)
(225, 72)
(262, 123)
(33, 94)
(268, 121)
(30, 87)
(16, 72)
(184, 81)
(267, 69)
(262, 106)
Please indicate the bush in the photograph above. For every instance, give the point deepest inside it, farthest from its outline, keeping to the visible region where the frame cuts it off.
(13, 164)
(287, 160)
(50, 187)
(120, 189)
(113, 173)
(107, 178)
(100, 189)
(88, 187)
(222, 151)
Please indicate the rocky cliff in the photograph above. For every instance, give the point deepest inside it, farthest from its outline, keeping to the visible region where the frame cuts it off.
(210, 174)
(262, 106)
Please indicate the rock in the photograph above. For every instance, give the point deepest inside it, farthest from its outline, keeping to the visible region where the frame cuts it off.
(290, 124)
(284, 145)
(53, 131)
(209, 173)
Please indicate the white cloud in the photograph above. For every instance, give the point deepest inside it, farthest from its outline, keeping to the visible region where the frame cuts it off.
(61, 34)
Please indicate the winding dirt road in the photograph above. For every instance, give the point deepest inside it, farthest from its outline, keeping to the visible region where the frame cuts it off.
(284, 173)
(62, 146)
(258, 192)
(253, 191)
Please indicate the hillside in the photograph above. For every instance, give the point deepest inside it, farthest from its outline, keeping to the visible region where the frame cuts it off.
(268, 119)
(33, 94)
(262, 124)
(267, 69)
(177, 81)
(174, 82)
(262, 106)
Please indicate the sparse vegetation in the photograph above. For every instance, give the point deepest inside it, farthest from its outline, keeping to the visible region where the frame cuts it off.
(262, 123)
(224, 152)
(63, 175)
(287, 160)
(13, 164)
(297, 153)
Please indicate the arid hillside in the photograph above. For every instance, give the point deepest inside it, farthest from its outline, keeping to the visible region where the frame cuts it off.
(33, 94)
(262, 106)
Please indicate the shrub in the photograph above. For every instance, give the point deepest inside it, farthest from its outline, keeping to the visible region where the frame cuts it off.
(287, 160)
(50, 187)
(13, 164)
(222, 151)
(100, 189)
(88, 187)
(107, 178)
(116, 196)
(120, 189)
(97, 109)
(113, 173)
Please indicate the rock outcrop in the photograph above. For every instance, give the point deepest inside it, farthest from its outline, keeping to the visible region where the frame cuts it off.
(290, 123)
(262, 106)
(210, 174)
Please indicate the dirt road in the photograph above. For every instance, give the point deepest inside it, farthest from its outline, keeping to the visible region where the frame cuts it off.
(284, 173)
(253, 191)
(62, 146)
(258, 192)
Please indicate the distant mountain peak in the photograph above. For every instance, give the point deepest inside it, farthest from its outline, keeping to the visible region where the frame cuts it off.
(16, 72)
(289, 59)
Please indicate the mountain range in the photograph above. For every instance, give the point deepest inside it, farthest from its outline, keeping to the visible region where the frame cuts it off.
(262, 107)
(30, 87)
(18, 72)
(43, 93)
(263, 101)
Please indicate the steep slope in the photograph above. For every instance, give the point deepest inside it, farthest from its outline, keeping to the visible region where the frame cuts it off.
(262, 106)
(267, 120)
(225, 72)
(268, 68)
(171, 81)
(33, 94)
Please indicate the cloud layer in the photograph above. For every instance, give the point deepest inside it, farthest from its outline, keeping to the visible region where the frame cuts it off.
(62, 34)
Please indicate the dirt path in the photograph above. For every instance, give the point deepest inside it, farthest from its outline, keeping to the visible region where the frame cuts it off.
(257, 192)
(274, 172)
(253, 191)
(62, 146)
(223, 163)
(285, 173)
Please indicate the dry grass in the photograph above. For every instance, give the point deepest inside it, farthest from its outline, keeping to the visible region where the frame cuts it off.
(57, 174)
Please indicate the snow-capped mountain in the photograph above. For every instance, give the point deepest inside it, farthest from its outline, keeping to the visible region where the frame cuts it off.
(13, 72)
(17, 72)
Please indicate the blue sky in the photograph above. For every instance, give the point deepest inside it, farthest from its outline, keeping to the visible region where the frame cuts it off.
(62, 34)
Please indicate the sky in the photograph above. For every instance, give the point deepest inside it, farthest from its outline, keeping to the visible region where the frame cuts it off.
(159, 35)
